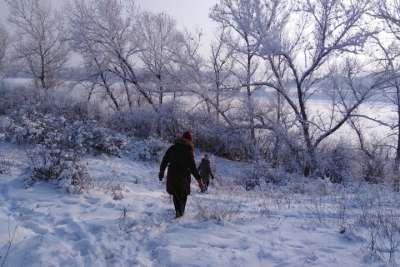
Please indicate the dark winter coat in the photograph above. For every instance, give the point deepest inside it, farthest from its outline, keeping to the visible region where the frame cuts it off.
(179, 159)
(205, 170)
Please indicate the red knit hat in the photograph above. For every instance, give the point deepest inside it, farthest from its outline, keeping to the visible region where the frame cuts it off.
(188, 136)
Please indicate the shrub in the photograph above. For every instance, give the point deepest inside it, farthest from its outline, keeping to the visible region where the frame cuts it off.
(336, 161)
(216, 137)
(60, 166)
(149, 149)
(75, 177)
(225, 209)
(4, 166)
(139, 123)
(106, 141)
(56, 131)
(47, 164)
(260, 174)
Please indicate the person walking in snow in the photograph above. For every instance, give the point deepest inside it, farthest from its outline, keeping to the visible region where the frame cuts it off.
(205, 170)
(179, 159)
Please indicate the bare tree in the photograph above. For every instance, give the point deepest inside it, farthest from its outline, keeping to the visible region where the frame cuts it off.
(240, 16)
(193, 75)
(107, 29)
(88, 44)
(40, 44)
(222, 65)
(159, 38)
(318, 31)
(389, 12)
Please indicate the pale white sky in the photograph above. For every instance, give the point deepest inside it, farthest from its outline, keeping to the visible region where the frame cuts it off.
(192, 14)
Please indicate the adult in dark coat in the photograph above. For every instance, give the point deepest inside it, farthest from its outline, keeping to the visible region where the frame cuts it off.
(179, 159)
(205, 170)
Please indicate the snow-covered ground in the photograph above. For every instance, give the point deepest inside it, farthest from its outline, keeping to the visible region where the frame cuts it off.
(127, 219)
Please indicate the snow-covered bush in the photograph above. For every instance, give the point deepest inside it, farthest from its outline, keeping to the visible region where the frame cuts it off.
(138, 123)
(282, 150)
(374, 161)
(373, 168)
(106, 141)
(36, 128)
(61, 166)
(148, 149)
(143, 123)
(260, 174)
(75, 178)
(336, 162)
(56, 131)
(216, 137)
(172, 120)
(46, 164)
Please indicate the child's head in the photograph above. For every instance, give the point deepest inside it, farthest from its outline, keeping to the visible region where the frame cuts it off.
(205, 156)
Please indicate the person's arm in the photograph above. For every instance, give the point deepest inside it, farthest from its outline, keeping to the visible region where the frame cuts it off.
(164, 163)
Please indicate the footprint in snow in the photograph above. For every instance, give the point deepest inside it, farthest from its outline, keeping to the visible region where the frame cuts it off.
(311, 258)
(36, 228)
(92, 200)
(109, 205)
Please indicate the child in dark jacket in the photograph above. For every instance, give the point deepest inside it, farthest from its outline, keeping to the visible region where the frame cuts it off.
(205, 170)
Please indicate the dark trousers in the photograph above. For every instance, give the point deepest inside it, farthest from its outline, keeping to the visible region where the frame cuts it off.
(207, 181)
(180, 204)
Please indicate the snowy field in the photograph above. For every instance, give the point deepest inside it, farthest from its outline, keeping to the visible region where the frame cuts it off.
(127, 220)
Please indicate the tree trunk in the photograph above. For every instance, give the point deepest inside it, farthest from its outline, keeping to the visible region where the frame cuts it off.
(109, 91)
(42, 76)
(128, 94)
(217, 92)
(275, 151)
(396, 174)
(250, 105)
(310, 158)
(217, 103)
(208, 107)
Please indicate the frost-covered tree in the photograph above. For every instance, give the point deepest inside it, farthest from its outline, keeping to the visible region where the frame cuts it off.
(194, 76)
(105, 33)
(221, 64)
(243, 19)
(239, 16)
(159, 39)
(86, 41)
(40, 45)
(387, 57)
(317, 32)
